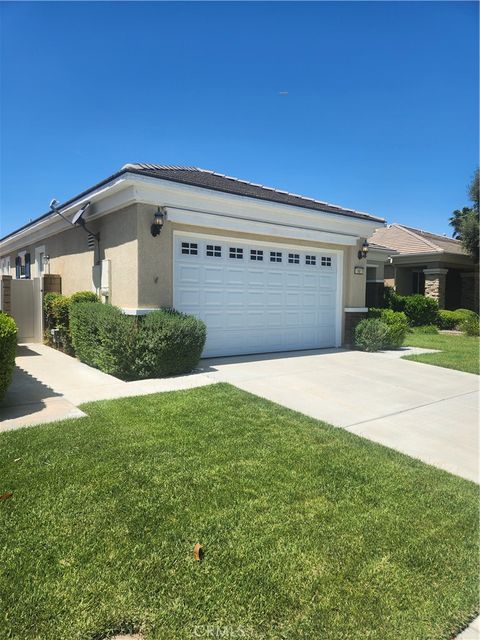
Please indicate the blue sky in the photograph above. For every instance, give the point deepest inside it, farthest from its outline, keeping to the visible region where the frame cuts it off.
(381, 112)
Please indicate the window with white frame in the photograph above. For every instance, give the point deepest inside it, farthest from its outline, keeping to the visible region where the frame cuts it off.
(326, 261)
(311, 260)
(190, 248)
(275, 256)
(5, 266)
(293, 258)
(256, 254)
(236, 253)
(213, 251)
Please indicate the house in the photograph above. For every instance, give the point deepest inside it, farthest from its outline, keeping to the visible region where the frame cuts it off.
(266, 270)
(429, 264)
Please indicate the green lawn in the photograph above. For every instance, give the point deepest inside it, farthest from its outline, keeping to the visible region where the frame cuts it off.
(309, 531)
(457, 351)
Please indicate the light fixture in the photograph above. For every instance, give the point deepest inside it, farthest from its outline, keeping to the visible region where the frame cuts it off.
(158, 222)
(363, 251)
(46, 260)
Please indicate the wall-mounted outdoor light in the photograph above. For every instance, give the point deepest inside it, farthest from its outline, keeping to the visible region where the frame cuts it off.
(46, 260)
(363, 251)
(158, 222)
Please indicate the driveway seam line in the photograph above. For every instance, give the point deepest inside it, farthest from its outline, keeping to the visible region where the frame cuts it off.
(420, 406)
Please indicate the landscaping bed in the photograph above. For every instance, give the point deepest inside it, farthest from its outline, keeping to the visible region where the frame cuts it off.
(308, 530)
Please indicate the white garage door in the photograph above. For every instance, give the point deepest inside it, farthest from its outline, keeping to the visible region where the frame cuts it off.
(256, 298)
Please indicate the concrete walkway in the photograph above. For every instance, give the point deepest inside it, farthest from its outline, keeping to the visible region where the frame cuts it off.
(427, 412)
(49, 385)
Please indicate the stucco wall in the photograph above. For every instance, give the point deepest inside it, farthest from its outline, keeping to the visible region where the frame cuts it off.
(71, 258)
(156, 261)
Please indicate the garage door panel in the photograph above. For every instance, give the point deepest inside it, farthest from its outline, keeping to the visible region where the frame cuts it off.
(213, 275)
(252, 305)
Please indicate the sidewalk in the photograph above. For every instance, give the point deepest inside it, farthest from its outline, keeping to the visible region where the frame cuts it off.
(49, 385)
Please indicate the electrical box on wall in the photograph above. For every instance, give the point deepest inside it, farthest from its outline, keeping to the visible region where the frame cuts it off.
(358, 271)
(105, 279)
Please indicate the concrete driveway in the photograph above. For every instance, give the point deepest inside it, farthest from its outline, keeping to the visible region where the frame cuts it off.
(424, 411)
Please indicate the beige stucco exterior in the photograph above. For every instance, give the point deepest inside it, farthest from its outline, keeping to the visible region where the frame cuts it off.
(142, 265)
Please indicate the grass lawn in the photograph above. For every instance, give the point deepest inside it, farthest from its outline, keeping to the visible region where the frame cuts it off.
(458, 351)
(309, 531)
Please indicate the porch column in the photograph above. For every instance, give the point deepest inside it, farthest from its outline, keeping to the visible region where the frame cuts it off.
(435, 285)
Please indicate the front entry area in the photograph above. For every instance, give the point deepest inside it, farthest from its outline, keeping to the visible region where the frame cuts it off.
(258, 297)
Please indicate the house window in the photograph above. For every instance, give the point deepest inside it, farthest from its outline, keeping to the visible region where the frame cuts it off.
(22, 265)
(418, 282)
(256, 254)
(326, 261)
(235, 253)
(275, 256)
(5, 266)
(294, 258)
(312, 260)
(190, 248)
(214, 251)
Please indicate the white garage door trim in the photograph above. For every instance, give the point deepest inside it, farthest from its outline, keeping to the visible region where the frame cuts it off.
(178, 236)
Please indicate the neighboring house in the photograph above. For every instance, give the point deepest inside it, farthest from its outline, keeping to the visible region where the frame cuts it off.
(429, 264)
(265, 269)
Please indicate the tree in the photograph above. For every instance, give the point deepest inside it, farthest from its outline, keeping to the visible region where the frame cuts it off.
(474, 190)
(465, 222)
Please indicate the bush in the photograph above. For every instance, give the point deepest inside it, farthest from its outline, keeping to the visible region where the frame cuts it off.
(56, 310)
(471, 325)
(162, 343)
(103, 337)
(420, 310)
(8, 345)
(168, 343)
(370, 334)
(57, 313)
(84, 296)
(397, 325)
(449, 320)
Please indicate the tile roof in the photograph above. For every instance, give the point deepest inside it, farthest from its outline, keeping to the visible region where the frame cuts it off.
(207, 179)
(198, 177)
(405, 239)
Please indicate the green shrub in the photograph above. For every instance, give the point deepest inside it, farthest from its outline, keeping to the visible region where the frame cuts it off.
(447, 319)
(397, 325)
(471, 325)
(8, 345)
(420, 310)
(162, 343)
(370, 334)
(84, 296)
(57, 313)
(168, 343)
(103, 337)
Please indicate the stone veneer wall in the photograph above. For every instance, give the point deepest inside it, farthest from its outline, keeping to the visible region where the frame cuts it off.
(6, 292)
(352, 318)
(436, 285)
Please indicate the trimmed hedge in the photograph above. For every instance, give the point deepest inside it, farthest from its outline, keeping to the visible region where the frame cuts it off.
(418, 309)
(454, 319)
(168, 343)
(421, 310)
(397, 325)
(162, 343)
(8, 346)
(56, 309)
